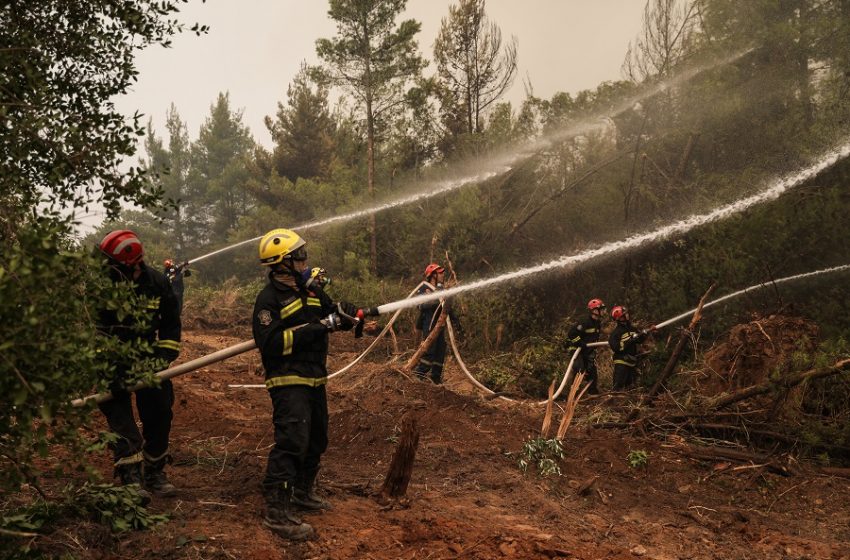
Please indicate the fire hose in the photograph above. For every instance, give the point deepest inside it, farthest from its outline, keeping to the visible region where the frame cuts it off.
(407, 303)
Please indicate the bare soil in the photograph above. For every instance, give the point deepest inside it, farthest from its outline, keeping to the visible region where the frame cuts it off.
(467, 499)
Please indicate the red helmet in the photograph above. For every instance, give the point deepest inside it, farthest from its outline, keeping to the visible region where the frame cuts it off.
(433, 268)
(122, 246)
(619, 313)
(168, 263)
(595, 304)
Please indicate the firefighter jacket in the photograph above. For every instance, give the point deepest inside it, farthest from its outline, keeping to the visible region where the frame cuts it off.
(582, 334)
(624, 342)
(161, 328)
(293, 343)
(429, 312)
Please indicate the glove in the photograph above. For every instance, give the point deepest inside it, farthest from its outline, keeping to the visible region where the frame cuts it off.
(118, 387)
(166, 354)
(337, 322)
(347, 308)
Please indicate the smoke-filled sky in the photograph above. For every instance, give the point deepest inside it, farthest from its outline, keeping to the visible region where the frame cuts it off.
(255, 47)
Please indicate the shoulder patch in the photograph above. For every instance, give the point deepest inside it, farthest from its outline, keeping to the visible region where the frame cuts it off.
(265, 317)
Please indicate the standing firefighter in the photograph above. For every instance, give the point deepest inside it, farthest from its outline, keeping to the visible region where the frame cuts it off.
(434, 357)
(582, 334)
(161, 331)
(291, 324)
(624, 342)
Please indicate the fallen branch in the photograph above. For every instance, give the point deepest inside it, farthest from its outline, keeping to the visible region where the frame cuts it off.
(714, 453)
(786, 382)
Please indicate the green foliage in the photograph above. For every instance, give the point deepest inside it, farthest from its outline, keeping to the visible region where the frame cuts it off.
(51, 348)
(543, 455)
(637, 458)
(63, 149)
(117, 507)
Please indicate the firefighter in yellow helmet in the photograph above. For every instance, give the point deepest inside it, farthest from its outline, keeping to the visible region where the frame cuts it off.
(291, 324)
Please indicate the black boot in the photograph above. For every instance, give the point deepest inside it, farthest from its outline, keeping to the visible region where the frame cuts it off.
(304, 496)
(131, 473)
(280, 516)
(155, 480)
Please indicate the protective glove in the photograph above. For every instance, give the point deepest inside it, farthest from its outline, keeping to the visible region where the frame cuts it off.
(337, 322)
(118, 387)
(347, 308)
(166, 354)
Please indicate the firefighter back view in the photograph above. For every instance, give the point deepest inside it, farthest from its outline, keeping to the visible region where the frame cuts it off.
(583, 333)
(291, 324)
(125, 263)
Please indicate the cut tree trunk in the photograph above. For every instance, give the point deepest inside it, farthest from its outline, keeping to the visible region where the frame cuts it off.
(401, 467)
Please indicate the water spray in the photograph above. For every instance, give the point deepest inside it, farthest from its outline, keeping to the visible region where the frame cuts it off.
(778, 188)
(506, 162)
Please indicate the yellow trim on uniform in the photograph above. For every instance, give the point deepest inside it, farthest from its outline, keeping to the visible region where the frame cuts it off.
(166, 343)
(314, 301)
(289, 380)
(288, 339)
(625, 363)
(135, 458)
(290, 309)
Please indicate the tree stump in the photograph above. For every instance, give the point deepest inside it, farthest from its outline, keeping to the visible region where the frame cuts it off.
(401, 467)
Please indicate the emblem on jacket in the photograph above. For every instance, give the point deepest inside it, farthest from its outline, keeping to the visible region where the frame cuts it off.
(265, 317)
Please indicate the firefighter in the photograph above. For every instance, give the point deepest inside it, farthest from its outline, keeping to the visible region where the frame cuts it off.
(140, 458)
(175, 274)
(624, 342)
(580, 335)
(291, 324)
(431, 363)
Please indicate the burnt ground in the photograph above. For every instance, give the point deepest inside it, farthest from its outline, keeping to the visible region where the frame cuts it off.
(467, 499)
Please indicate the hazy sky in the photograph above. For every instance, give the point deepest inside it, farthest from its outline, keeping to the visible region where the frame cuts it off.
(255, 47)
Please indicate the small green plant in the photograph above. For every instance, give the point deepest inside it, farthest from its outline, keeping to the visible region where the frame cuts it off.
(120, 507)
(637, 458)
(542, 453)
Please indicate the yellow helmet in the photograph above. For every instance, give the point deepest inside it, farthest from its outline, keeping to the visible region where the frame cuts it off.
(279, 244)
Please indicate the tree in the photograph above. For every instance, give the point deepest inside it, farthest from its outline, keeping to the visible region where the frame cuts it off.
(219, 172)
(374, 60)
(169, 168)
(471, 61)
(303, 131)
(62, 150)
(668, 26)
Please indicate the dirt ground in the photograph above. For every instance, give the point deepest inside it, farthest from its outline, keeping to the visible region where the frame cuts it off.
(467, 499)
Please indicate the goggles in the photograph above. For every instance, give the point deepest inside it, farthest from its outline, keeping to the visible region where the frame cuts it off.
(299, 254)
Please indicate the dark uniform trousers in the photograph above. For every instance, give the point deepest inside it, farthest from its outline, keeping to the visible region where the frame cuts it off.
(625, 376)
(433, 359)
(154, 404)
(300, 420)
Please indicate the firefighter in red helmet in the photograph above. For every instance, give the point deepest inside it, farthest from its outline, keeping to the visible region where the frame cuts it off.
(624, 341)
(432, 361)
(140, 457)
(583, 333)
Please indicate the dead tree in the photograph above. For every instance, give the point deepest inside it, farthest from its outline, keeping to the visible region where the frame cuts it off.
(401, 466)
(674, 357)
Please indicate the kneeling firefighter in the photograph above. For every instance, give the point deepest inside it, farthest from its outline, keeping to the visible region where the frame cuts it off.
(291, 323)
